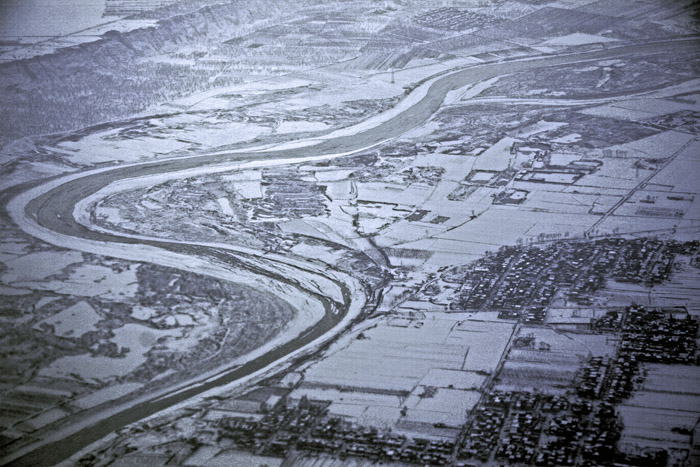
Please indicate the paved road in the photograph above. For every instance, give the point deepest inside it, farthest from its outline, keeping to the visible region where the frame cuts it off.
(54, 210)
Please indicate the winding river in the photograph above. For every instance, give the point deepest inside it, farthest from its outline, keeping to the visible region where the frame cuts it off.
(46, 211)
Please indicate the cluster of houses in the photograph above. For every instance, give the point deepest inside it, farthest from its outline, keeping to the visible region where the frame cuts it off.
(660, 336)
(522, 282)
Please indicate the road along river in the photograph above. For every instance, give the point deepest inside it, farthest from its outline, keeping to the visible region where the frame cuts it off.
(47, 212)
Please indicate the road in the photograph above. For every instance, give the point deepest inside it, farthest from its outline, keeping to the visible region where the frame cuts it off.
(640, 186)
(49, 215)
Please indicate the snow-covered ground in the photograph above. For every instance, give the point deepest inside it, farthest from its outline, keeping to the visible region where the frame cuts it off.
(41, 27)
(38, 266)
(72, 321)
(136, 337)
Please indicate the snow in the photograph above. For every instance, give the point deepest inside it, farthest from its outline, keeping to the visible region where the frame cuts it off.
(656, 107)
(480, 176)
(639, 108)
(45, 418)
(443, 350)
(333, 175)
(110, 215)
(449, 406)
(310, 309)
(255, 87)
(96, 148)
(143, 312)
(262, 282)
(378, 416)
(486, 232)
(222, 134)
(386, 195)
(686, 379)
(442, 378)
(318, 252)
(404, 104)
(225, 206)
(90, 280)
(559, 158)
(347, 397)
(12, 248)
(201, 455)
(248, 190)
(47, 18)
(653, 427)
(4, 290)
(27, 171)
(402, 362)
(182, 319)
(578, 38)
(341, 190)
(45, 301)
(74, 321)
(138, 338)
(496, 157)
(658, 146)
(242, 176)
(34, 22)
(403, 232)
(39, 265)
(107, 394)
(291, 126)
(569, 203)
(469, 91)
(682, 173)
(234, 457)
(542, 126)
(149, 251)
(487, 342)
(456, 167)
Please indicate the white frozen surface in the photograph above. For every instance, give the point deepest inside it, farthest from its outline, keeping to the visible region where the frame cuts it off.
(91, 280)
(107, 394)
(496, 157)
(4, 290)
(143, 312)
(47, 17)
(47, 417)
(74, 321)
(95, 148)
(290, 126)
(578, 38)
(138, 338)
(39, 265)
(225, 206)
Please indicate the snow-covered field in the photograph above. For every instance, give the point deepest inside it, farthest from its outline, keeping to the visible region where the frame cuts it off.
(640, 108)
(448, 406)
(497, 157)
(430, 362)
(668, 400)
(72, 321)
(136, 337)
(404, 357)
(658, 146)
(107, 394)
(578, 39)
(38, 266)
(551, 370)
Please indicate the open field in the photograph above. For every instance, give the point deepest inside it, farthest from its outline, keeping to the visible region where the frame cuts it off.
(664, 411)
(550, 360)
(426, 365)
